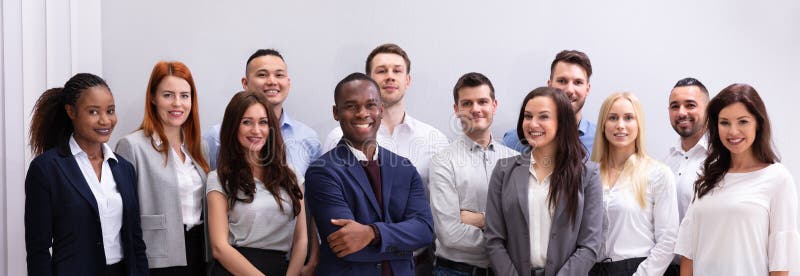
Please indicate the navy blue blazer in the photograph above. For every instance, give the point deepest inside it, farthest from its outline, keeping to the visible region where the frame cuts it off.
(337, 187)
(61, 212)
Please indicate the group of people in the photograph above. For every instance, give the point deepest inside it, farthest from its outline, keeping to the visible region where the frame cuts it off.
(387, 194)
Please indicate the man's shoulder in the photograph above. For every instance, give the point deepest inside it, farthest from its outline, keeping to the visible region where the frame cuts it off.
(303, 131)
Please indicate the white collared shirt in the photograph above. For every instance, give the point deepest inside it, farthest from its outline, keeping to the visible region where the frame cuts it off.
(411, 139)
(686, 165)
(460, 181)
(632, 231)
(190, 189)
(540, 217)
(109, 201)
(360, 156)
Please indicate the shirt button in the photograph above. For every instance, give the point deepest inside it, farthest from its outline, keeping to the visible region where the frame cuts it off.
(378, 266)
(99, 244)
(680, 174)
(687, 157)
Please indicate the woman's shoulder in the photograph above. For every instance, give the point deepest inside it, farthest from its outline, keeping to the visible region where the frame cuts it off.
(135, 138)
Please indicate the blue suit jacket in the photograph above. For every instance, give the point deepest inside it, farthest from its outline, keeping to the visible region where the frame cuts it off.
(61, 212)
(337, 188)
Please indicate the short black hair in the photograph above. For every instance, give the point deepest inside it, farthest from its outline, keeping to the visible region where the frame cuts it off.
(691, 82)
(472, 79)
(261, 53)
(353, 77)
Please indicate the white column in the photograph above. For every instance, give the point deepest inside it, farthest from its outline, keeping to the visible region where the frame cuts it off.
(44, 42)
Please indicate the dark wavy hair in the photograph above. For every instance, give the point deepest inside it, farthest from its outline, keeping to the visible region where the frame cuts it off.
(235, 173)
(50, 125)
(718, 161)
(570, 155)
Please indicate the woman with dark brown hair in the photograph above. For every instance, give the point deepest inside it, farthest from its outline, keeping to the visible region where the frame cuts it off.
(544, 208)
(81, 207)
(743, 220)
(171, 168)
(255, 200)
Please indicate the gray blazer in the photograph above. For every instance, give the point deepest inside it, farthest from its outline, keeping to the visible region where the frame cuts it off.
(572, 249)
(159, 201)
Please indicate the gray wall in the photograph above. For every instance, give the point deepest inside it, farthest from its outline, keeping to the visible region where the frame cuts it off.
(639, 47)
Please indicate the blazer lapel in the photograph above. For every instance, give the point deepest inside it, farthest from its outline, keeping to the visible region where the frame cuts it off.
(69, 167)
(387, 181)
(519, 176)
(356, 171)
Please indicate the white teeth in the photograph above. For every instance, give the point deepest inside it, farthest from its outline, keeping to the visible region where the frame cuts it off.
(271, 92)
(735, 141)
(176, 113)
(362, 125)
(536, 133)
(103, 131)
(620, 135)
(254, 139)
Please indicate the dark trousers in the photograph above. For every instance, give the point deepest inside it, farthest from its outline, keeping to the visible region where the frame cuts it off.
(117, 269)
(195, 253)
(673, 270)
(423, 263)
(619, 268)
(269, 262)
(446, 267)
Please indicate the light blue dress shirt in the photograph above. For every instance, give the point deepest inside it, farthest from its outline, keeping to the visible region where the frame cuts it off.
(302, 144)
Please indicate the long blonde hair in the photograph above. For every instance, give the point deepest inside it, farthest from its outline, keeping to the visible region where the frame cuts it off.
(636, 168)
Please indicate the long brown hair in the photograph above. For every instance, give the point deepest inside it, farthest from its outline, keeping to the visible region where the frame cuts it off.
(191, 128)
(235, 173)
(570, 154)
(50, 125)
(718, 161)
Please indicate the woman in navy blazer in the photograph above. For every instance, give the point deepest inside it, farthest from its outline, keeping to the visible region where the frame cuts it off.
(92, 230)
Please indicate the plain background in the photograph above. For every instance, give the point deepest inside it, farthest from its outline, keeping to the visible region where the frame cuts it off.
(634, 46)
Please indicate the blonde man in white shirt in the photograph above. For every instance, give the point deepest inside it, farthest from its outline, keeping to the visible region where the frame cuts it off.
(638, 194)
(390, 67)
(459, 180)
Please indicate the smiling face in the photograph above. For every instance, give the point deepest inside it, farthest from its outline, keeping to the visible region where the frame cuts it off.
(540, 122)
(475, 108)
(267, 74)
(253, 129)
(737, 129)
(173, 101)
(687, 110)
(573, 80)
(391, 73)
(359, 111)
(621, 127)
(93, 116)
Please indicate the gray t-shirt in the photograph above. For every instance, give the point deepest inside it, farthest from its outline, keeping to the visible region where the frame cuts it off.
(258, 224)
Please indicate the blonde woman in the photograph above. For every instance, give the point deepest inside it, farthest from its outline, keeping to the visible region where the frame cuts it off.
(638, 194)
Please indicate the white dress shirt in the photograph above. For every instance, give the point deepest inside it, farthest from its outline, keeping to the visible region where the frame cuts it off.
(686, 166)
(747, 225)
(633, 231)
(411, 139)
(190, 189)
(459, 180)
(541, 217)
(109, 201)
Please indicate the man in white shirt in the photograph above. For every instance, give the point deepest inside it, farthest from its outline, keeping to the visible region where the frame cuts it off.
(459, 180)
(390, 67)
(687, 114)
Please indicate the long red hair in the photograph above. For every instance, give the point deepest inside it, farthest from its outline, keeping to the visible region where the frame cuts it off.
(191, 128)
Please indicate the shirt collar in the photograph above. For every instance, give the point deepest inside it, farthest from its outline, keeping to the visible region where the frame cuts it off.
(286, 121)
(360, 156)
(76, 150)
(474, 146)
(701, 145)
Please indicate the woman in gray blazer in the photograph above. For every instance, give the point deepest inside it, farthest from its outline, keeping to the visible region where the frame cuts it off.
(544, 210)
(168, 155)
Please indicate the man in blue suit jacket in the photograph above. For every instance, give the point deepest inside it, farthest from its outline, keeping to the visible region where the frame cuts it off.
(368, 203)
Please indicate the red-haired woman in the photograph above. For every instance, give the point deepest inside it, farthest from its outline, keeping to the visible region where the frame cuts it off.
(255, 202)
(167, 153)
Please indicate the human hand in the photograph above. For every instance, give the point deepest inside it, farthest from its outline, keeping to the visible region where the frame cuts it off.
(351, 238)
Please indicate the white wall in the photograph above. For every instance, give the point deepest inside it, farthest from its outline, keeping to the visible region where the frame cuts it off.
(634, 46)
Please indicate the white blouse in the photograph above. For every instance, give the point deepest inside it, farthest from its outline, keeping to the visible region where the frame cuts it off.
(632, 231)
(540, 218)
(190, 188)
(745, 226)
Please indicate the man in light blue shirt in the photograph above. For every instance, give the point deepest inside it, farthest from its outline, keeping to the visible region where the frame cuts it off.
(570, 71)
(266, 72)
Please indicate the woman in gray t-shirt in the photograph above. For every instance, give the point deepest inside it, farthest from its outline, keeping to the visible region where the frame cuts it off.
(251, 232)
